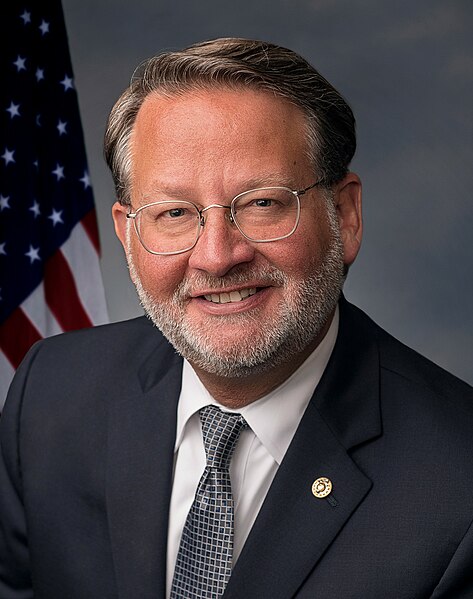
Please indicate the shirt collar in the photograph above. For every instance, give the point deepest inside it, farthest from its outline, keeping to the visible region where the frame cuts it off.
(273, 418)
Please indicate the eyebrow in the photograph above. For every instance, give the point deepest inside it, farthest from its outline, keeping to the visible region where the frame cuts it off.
(184, 192)
(276, 179)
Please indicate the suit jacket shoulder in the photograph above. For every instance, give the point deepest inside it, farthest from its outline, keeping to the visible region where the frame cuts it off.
(87, 439)
(394, 434)
(86, 473)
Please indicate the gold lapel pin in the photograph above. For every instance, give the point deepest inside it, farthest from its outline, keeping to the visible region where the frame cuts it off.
(322, 487)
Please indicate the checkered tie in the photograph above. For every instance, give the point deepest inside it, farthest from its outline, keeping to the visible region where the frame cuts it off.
(204, 560)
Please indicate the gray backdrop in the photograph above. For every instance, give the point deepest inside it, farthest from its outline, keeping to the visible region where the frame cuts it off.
(407, 70)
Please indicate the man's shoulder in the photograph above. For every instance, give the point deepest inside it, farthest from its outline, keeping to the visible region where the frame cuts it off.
(128, 328)
(79, 370)
(105, 351)
(412, 408)
(110, 339)
(406, 368)
(404, 362)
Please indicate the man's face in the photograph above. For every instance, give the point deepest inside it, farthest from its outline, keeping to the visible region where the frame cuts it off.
(206, 147)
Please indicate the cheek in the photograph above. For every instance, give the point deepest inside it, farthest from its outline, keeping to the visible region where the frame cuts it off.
(159, 275)
(299, 254)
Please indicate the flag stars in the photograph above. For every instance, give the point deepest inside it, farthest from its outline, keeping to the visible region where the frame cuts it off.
(26, 17)
(67, 82)
(85, 180)
(56, 217)
(39, 74)
(33, 254)
(61, 127)
(35, 209)
(8, 156)
(4, 202)
(20, 64)
(44, 27)
(14, 110)
(59, 172)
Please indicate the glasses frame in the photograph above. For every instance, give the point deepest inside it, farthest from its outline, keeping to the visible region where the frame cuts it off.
(232, 217)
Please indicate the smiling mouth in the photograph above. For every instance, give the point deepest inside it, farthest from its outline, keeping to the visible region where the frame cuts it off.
(231, 297)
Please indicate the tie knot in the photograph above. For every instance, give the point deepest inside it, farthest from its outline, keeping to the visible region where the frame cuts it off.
(220, 431)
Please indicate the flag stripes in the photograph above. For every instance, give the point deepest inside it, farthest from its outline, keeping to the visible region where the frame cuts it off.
(50, 279)
(20, 328)
(66, 306)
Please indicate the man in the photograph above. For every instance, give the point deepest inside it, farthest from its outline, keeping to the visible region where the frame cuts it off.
(346, 457)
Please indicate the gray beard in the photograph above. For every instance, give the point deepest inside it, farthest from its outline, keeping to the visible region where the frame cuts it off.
(297, 322)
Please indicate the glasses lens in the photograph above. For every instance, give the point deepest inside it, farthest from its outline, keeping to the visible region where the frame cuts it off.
(266, 214)
(168, 227)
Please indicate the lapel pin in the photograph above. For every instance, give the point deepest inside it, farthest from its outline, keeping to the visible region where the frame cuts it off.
(322, 487)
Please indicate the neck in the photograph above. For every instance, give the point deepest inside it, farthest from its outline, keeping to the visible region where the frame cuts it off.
(239, 392)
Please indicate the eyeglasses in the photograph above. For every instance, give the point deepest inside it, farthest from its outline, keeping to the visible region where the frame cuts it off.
(261, 215)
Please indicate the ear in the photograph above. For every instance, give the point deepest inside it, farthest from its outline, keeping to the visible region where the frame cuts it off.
(348, 205)
(120, 221)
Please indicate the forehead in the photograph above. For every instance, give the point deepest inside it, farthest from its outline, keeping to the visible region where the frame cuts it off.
(210, 133)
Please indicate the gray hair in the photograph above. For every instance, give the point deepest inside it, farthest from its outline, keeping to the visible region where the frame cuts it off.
(235, 63)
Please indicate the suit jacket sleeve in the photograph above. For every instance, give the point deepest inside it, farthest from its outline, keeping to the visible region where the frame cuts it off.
(15, 575)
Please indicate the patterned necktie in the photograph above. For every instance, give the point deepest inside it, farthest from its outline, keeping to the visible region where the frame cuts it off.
(204, 560)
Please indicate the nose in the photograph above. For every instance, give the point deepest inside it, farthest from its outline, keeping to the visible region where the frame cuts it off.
(220, 246)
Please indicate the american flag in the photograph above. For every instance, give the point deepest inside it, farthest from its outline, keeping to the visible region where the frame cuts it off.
(50, 278)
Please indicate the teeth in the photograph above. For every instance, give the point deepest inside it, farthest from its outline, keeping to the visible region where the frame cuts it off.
(233, 296)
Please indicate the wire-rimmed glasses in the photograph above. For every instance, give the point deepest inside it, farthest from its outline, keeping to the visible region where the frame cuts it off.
(261, 215)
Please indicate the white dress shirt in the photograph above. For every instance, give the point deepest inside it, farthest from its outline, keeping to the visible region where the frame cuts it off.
(272, 420)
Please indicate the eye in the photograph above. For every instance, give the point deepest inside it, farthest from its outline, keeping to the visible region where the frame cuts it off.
(176, 212)
(264, 202)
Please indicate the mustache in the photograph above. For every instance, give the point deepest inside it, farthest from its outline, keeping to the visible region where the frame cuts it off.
(240, 275)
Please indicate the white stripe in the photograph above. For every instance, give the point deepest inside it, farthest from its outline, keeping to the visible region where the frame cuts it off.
(37, 311)
(6, 374)
(84, 262)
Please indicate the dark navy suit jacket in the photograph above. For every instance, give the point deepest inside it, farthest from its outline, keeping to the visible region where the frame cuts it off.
(87, 440)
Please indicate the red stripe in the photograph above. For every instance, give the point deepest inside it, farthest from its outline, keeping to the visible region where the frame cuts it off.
(61, 294)
(17, 335)
(89, 223)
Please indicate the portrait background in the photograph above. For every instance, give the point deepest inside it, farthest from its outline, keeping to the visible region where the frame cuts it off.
(407, 71)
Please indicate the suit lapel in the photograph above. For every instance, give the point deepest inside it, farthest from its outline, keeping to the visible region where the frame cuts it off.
(294, 528)
(142, 425)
